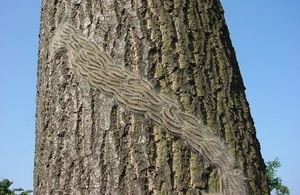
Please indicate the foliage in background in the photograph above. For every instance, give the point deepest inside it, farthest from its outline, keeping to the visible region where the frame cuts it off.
(275, 183)
(4, 189)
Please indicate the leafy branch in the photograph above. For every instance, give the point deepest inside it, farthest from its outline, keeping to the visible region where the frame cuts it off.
(5, 185)
(275, 183)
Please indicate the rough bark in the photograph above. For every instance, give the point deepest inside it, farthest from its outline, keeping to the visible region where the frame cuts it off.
(86, 143)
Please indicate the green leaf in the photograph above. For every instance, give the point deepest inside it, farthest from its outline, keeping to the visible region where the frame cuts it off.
(275, 183)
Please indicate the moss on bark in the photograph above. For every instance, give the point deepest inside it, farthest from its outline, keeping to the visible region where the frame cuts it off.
(86, 144)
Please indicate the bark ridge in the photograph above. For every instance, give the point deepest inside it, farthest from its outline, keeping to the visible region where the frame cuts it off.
(137, 95)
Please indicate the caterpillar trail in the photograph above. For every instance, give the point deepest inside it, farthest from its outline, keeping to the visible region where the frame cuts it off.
(138, 96)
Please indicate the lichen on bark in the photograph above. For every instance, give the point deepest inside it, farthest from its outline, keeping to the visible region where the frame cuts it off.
(183, 47)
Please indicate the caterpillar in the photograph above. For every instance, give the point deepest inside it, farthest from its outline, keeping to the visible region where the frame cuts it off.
(138, 96)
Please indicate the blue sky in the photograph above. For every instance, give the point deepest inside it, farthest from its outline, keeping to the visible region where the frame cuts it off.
(266, 37)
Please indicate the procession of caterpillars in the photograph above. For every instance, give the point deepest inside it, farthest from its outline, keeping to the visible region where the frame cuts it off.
(138, 96)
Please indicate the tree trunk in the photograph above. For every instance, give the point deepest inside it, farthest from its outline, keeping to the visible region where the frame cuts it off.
(90, 136)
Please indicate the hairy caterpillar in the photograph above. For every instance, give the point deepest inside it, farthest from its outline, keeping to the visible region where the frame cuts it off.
(138, 96)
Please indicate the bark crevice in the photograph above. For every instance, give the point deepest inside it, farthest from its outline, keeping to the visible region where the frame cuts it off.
(85, 144)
